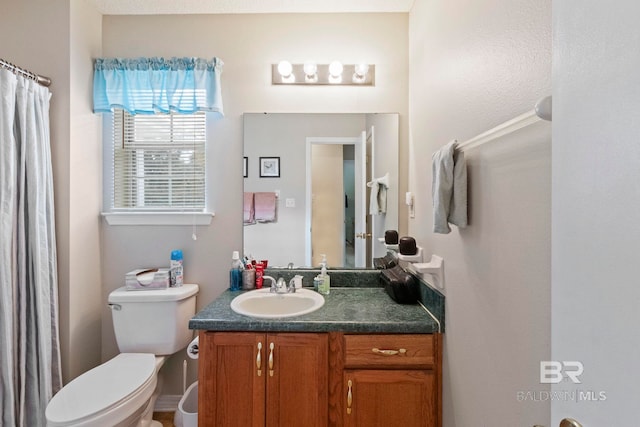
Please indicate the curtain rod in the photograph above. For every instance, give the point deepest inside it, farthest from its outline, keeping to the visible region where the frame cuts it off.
(44, 81)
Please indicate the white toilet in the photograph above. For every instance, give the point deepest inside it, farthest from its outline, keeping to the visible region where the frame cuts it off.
(149, 326)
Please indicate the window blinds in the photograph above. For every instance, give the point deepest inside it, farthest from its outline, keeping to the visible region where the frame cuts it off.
(159, 161)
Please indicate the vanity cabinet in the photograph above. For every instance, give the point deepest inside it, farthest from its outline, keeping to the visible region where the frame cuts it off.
(263, 379)
(383, 380)
(250, 379)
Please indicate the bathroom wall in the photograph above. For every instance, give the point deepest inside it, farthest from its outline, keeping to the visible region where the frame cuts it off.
(596, 200)
(85, 201)
(248, 44)
(474, 65)
(57, 39)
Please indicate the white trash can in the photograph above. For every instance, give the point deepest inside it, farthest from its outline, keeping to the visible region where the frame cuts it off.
(187, 413)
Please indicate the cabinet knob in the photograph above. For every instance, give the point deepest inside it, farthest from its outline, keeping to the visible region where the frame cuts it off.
(569, 422)
(349, 397)
(259, 359)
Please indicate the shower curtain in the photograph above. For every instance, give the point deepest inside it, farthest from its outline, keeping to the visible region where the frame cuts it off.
(29, 345)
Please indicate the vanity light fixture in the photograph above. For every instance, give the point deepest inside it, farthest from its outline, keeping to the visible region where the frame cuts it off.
(313, 74)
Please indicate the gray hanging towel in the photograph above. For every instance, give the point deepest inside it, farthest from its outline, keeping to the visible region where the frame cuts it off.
(449, 189)
(458, 208)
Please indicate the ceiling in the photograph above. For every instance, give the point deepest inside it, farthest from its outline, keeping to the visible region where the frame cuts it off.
(165, 7)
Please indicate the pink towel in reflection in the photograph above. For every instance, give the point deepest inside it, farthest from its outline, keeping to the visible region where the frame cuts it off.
(248, 213)
(265, 206)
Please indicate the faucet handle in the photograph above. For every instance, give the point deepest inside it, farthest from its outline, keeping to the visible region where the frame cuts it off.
(294, 283)
(273, 282)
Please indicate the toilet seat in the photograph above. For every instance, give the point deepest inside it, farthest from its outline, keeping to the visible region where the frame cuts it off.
(105, 395)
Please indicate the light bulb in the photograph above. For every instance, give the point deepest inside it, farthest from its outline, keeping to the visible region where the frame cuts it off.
(362, 69)
(285, 68)
(335, 69)
(310, 72)
(310, 69)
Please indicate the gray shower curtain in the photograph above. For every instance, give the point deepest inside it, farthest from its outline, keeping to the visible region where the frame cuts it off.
(29, 345)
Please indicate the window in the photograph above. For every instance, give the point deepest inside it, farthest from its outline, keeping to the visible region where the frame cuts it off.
(158, 162)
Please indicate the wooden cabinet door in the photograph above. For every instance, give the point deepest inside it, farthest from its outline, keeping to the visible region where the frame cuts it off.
(297, 385)
(380, 398)
(232, 390)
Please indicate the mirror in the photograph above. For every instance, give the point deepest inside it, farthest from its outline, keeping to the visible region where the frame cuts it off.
(317, 166)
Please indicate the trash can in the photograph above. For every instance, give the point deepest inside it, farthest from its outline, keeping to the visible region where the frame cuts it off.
(187, 413)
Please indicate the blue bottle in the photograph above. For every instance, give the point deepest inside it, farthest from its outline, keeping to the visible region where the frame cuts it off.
(177, 270)
(235, 276)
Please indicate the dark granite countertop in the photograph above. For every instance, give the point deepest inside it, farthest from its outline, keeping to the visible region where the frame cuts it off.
(365, 310)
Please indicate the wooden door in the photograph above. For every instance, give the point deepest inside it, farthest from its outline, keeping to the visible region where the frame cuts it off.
(327, 209)
(231, 388)
(297, 390)
(380, 398)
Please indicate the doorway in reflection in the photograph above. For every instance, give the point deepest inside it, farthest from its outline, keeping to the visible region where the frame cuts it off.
(333, 199)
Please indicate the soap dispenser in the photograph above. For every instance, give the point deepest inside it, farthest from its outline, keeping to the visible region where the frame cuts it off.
(324, 287)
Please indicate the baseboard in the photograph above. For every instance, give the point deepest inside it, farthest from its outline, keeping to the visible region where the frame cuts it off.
(167, 403)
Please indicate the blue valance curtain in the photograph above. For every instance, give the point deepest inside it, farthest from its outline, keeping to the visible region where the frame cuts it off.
(157, 85)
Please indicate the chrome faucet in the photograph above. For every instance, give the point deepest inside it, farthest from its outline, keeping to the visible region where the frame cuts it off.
(280, 286)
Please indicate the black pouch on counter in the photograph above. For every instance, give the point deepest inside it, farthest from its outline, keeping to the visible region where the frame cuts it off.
(401, 286)
(385, 262)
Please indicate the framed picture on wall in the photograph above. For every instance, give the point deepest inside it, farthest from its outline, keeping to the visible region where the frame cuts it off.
(269, 167)
(245, 167)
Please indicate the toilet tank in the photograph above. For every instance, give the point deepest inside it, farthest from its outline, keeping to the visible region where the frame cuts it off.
(153, 321)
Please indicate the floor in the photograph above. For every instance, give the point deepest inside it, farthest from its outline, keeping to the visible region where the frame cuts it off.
(166, 418)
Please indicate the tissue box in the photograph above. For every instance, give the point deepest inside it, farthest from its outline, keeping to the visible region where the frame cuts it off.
(147, 279)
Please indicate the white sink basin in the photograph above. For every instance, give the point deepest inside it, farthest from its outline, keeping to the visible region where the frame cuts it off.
(264, 304)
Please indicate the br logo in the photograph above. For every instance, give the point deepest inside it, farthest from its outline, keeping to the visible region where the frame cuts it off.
(552, 372)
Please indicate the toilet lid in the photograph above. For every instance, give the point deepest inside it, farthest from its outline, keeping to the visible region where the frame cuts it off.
(102, 387)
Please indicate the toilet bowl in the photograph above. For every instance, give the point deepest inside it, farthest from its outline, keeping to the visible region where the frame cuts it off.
(106, 395)
(122, 391)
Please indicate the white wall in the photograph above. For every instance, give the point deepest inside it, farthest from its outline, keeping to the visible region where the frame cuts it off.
(474, 65)
(85, 183)
(596, 200)
(56, 39)
(248, 44)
